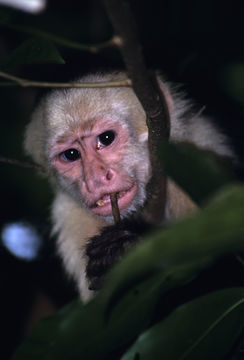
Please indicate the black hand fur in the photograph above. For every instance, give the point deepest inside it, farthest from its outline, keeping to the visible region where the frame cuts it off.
(106, 249)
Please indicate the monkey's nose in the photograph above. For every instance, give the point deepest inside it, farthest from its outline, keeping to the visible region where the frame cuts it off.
(101, 178)
(110, 175)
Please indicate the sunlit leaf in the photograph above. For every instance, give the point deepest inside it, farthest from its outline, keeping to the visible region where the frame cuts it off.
(205, 328)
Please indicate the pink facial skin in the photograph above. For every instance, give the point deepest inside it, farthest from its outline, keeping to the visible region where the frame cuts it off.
(96, 165)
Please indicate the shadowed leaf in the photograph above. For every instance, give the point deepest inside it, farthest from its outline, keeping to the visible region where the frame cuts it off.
(32, 51)
(123, 309)
(204, 328)
(198, 172)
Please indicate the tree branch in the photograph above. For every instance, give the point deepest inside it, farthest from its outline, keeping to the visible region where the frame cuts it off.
(29, 83)
(148, 93)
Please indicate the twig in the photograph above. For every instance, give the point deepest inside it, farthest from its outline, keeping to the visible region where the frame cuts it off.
(115, 207)
(93, 48)
(96, 48)
(20, 163)
(29, 83)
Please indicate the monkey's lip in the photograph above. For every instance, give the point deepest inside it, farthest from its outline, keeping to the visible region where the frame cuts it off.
(125, 197)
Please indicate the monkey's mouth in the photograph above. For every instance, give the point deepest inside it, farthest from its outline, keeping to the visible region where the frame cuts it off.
(125, 197)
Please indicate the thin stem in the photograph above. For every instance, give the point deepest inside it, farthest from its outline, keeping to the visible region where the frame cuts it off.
(115, 207)
(20, 163)
(93, 48)
(29, 83)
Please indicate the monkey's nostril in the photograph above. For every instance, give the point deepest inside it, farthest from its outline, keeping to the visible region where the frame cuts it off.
(109, 175)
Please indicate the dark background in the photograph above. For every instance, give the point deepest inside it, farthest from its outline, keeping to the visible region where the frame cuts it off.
(195, 43)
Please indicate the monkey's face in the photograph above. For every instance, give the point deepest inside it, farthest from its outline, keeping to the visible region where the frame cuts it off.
(93, 142)
(100, 157)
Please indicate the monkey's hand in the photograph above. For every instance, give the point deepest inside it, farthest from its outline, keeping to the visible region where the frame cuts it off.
(106, 249)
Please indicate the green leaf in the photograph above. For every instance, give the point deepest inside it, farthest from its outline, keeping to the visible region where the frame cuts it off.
(124, 307)
(198, 172)
(39, 33)
(5, 15)
(179, 252)
(232, 78)
(42, 338)
(87, 331)
(205, 328)
(32, 51)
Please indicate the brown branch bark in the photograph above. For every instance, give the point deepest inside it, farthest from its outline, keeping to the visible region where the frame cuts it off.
(148, 93)
(115, 208)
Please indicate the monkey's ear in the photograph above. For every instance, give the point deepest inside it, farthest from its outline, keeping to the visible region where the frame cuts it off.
(34, 137)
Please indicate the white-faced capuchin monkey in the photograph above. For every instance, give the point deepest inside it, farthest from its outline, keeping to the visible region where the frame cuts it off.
(92, 142)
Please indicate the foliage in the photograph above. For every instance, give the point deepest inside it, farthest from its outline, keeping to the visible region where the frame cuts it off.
(120, 318)
(122, 321)
(200, 174)
(31, 51)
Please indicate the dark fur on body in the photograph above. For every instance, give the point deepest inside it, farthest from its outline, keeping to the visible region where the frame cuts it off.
(106, 249)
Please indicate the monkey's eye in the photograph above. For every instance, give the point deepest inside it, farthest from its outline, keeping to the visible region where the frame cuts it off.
(105, 139)
(70, 155)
